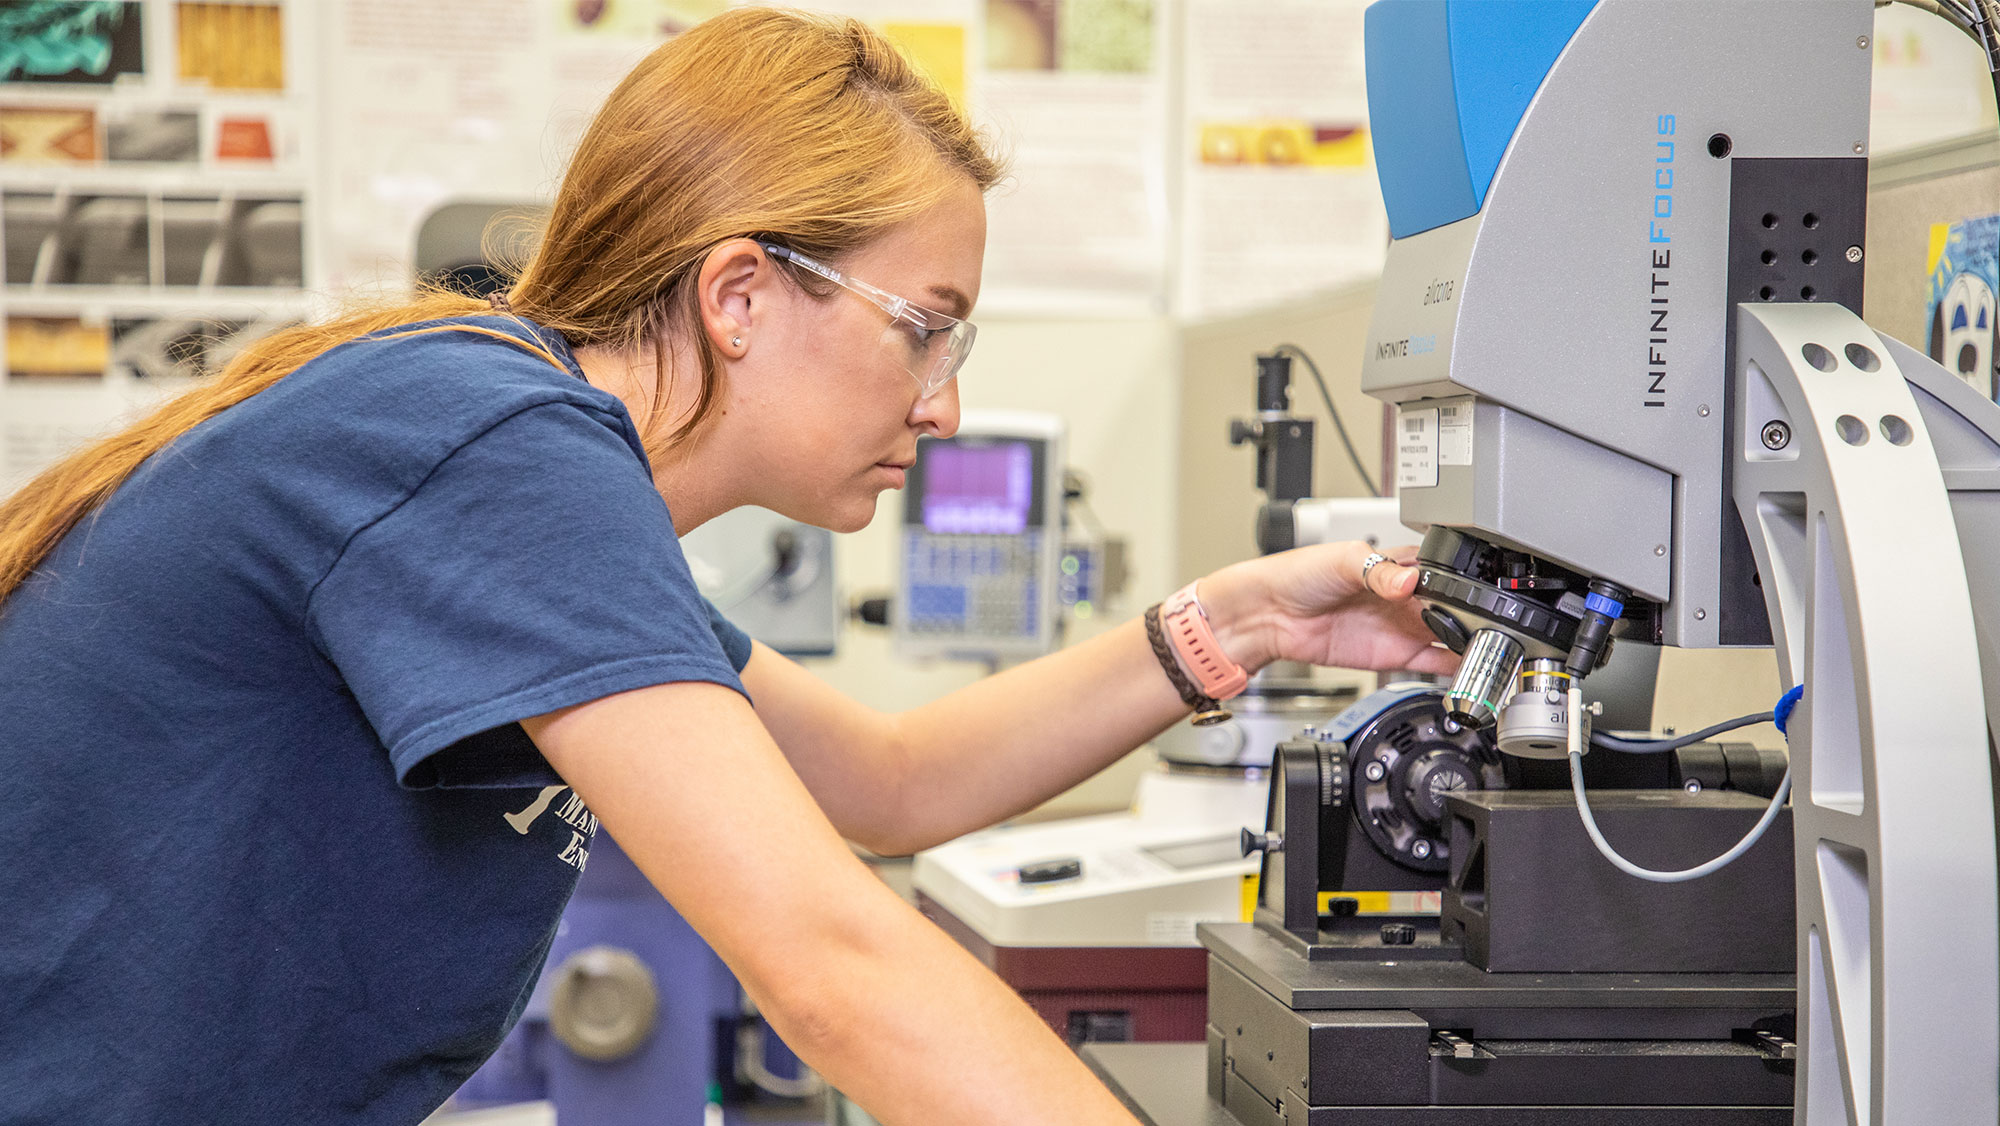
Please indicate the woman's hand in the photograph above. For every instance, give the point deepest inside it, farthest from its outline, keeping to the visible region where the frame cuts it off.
(1312, 604)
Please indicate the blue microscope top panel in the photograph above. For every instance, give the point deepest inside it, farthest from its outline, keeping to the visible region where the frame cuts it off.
(1448, 81)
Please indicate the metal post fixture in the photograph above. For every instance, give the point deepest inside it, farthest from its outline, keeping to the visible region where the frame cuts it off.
(1862, 571)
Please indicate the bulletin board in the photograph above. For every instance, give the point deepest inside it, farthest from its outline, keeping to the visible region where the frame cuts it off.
(1078, 98)
(156, 204)
(1278, 197)
(463, 99)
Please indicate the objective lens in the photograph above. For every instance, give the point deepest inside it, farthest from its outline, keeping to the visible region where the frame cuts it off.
(1541, 676)
(1485, 678)
(1534, 724)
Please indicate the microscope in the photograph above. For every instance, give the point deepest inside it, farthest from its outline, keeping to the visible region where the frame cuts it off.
(1619, 323)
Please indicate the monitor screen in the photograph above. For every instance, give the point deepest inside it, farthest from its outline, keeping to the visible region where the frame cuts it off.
(979, 490)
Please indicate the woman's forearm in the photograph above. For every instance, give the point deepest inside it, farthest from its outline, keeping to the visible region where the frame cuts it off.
(903, 782)
(1008, 742)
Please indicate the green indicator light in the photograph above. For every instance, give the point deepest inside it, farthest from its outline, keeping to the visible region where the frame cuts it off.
(1070, 565)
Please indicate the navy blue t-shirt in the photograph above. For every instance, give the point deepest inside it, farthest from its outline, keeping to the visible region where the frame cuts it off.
(273, 847)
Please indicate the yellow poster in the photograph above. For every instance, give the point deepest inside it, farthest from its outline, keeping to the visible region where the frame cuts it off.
(938, 48)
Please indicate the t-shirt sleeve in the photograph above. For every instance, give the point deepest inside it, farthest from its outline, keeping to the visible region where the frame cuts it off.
(535, 568)
(735, 643)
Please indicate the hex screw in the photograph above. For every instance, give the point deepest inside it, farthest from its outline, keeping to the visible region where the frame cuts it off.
(1659, 549)
(1862, 42)
(1375, 771)
(1702, 410)
(1421, 850)
(1777, 435)
(1854, 254)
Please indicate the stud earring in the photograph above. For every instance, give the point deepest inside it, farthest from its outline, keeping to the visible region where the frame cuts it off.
(736, 342)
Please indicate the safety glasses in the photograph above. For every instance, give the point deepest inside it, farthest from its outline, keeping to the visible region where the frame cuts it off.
(930, 346)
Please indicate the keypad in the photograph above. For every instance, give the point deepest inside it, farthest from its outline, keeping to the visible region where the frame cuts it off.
(973, 586)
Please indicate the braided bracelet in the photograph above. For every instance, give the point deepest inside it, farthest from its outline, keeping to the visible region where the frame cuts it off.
(1207, 711)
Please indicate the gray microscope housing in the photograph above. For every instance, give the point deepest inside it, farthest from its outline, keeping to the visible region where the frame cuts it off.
(1554, 322)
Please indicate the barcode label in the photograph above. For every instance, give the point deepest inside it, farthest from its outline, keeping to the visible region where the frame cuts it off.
(1455, 433)
(1417, 449)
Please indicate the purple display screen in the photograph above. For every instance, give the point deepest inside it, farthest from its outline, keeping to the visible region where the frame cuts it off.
(981, 490)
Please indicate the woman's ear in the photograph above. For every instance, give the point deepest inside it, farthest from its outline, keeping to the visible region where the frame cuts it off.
(735, 287)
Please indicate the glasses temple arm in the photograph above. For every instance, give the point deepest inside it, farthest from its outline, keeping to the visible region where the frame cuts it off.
(880, 298)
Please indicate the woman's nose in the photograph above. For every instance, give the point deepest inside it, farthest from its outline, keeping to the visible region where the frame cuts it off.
(937, 415)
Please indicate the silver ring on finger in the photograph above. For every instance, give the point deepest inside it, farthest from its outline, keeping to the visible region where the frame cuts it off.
(1369, 563)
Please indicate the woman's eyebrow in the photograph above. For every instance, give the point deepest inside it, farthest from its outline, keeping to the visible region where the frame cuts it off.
(956, 304)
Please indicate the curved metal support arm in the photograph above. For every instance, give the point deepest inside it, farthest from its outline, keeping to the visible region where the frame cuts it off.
(1839, 487)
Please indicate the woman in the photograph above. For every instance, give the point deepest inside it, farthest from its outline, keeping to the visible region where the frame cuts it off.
(315, 684)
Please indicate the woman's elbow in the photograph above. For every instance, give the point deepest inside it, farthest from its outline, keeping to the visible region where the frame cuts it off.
(822, 991)
(891, 839)
(812, 1019)
(889, 825)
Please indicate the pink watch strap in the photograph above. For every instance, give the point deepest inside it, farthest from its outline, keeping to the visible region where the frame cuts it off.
(1194, 643)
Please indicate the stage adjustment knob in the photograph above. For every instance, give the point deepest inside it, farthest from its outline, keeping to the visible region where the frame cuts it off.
(1261, 842)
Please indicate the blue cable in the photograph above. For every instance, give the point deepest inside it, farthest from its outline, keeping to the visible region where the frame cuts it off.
(1782, 714)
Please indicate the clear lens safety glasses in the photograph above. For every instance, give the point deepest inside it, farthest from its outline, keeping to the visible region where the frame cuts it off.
(929, 344)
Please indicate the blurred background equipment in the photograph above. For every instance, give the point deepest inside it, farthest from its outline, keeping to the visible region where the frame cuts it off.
(636, 1021)
(772, 576)
(982, 540)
